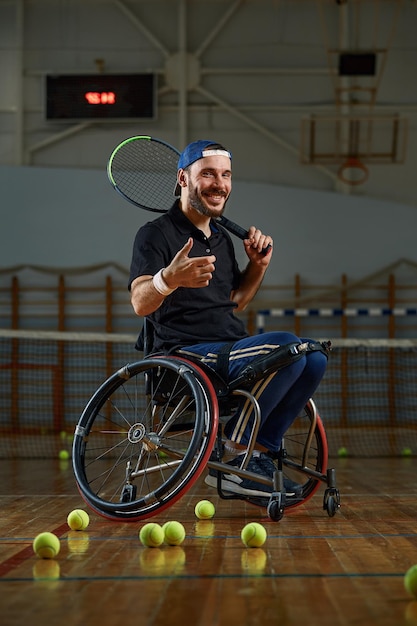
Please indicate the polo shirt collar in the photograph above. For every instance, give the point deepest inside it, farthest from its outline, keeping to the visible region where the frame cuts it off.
(183, 224)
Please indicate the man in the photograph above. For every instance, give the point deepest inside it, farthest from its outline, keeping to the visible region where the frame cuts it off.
(185, 279)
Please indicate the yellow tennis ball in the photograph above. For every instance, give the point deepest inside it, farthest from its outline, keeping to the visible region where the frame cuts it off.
(204, 509)
(78, 519)
(151, 535)
(174, 533)
(253, 535)
(410, 581)
(63, 455)
(46, 545)
(342, 452)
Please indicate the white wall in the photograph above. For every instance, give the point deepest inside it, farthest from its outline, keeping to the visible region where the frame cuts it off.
(73, 218)
(261, 68)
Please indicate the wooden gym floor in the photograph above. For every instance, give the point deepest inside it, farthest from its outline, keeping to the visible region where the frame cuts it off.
(312, 569)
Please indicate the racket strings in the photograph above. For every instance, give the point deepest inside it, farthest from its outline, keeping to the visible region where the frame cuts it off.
(144, 171)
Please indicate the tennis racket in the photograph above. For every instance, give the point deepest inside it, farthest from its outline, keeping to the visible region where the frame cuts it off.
(143, 170)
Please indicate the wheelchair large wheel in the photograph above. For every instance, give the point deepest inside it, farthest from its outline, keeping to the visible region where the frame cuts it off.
(306, 453)
(144, 438)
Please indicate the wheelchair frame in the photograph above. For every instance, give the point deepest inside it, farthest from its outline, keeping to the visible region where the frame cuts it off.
(151, 429)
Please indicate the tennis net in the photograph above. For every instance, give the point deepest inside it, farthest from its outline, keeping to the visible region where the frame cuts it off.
(367, 399)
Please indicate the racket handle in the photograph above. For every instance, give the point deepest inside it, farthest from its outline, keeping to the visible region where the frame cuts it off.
(233, 228)
(237, 230)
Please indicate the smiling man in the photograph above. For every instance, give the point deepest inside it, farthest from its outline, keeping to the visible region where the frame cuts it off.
(184, 278)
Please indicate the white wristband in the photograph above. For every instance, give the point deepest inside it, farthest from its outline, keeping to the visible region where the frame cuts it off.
(160, 285)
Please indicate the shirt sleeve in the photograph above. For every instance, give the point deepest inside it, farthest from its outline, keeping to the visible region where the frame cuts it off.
(149, 253)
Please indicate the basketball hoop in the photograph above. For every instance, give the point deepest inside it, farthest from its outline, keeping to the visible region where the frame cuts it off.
(353, 172)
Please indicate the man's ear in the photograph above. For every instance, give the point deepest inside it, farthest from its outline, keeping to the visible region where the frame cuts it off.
(182, 178)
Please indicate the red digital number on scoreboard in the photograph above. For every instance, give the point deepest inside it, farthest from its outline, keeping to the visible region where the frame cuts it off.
(104, 97)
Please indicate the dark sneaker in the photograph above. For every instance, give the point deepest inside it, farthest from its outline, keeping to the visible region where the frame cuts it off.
(237, 484)
(292, 489)
(262, 465)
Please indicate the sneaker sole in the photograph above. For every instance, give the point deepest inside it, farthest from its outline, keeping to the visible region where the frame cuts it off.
(232, 487)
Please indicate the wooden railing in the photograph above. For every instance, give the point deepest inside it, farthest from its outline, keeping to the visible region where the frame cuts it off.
(97, 300)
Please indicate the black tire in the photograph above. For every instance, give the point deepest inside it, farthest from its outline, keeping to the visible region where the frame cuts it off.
(144, 438)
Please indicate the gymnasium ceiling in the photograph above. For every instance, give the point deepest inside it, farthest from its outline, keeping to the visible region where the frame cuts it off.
(315, 94)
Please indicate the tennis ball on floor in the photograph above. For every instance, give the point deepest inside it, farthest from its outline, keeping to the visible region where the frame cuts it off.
(407, 452)
(342, 452)
(151, 535)
(46, 545)
(174, 533)
(253, 535)
(410, 581)
(78, 519)
(204, 509)
(63, 455)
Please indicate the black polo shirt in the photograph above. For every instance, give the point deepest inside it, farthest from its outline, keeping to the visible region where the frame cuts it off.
(189, 316)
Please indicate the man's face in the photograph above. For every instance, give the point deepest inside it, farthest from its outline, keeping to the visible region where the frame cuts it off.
(209, 182)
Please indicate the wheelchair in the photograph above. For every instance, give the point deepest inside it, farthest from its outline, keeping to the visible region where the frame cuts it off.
(155, 426)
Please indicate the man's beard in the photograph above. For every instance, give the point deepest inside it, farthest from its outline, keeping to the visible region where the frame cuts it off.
(196, 202)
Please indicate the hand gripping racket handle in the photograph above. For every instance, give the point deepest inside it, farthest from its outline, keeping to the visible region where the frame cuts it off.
(237, 230)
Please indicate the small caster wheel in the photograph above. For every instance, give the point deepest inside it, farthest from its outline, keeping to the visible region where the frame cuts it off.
(275, 510)
(331, 506)
(331, 502)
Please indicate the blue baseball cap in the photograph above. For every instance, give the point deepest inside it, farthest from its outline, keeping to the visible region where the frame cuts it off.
(198, 150)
